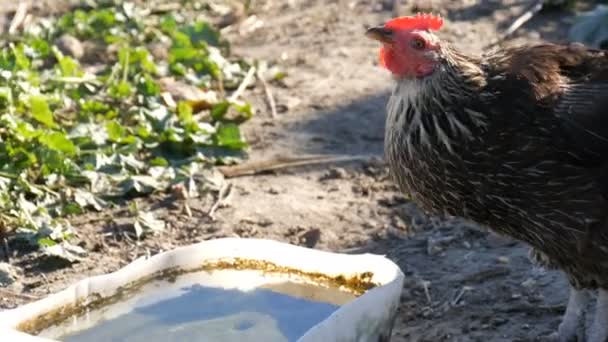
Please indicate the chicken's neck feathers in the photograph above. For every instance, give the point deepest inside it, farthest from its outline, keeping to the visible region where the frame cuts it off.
(436, 111)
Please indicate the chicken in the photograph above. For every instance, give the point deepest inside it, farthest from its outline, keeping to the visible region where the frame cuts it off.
(515, 140)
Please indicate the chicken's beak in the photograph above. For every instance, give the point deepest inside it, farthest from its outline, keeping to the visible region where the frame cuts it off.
(381, 34)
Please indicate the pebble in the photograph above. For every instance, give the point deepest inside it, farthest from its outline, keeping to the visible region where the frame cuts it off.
(70, 46)
(311, 237)
(528, 283)
(8, 274)
(335, 173)
(497, 241)
(504, 259)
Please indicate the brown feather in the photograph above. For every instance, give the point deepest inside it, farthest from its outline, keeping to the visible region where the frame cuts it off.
(516, 141)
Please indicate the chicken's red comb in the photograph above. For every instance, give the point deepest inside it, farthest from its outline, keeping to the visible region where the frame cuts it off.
(420, 21)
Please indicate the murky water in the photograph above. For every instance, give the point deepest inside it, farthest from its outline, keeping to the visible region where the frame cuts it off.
(277, 311)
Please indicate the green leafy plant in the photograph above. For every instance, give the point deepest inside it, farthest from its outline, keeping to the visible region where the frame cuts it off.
(75, 134)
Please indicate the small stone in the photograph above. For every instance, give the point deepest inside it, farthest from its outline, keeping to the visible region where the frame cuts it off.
(497, 241)
(497, 321)
(533, 35)
(8, 274)
(292, 102)
(529, 283)
(288, 103)
(232, 16)
(433, 250)
(504, 259)
(311, 237)
(70, 46)
(335, 173)
(159, 51)
(435, 246)
(370, 224)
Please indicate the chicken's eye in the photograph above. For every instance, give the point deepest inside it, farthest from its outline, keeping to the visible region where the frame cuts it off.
(418, 44)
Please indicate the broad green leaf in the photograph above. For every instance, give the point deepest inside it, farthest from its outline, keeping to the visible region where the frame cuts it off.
(102, 20)
(41, 111)
(121, 90)
(140, 185)
(202, 32)
(219, 110)
(159, 161)
(85, 199)
(46, 242)
(124, 135)
(148, 87)
(26, 132)
(40, 46)
(115, 130)
(94, 107)
(168, 24)
(59, 142)
(65, 251)
(183, 54)
(72, 209)
(146, 223)
(21, 60)
(184, 112)
(69, 67)
(245, 109)
(229, 135)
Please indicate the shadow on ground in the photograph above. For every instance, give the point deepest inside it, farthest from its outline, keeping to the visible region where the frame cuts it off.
(354, 129)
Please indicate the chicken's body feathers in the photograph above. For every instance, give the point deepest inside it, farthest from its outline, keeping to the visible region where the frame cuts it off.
(516, 141)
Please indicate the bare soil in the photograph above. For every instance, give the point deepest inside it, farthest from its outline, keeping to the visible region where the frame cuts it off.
(462, 283)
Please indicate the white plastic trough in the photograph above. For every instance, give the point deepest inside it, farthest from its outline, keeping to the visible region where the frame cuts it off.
(369, 317)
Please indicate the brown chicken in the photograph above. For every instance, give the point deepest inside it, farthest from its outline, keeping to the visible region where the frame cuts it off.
(515, 140)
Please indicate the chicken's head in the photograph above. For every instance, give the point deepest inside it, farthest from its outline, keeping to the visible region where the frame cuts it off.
(410, 49)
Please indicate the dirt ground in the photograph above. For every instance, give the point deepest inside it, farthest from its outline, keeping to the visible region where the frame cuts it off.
(462, 284)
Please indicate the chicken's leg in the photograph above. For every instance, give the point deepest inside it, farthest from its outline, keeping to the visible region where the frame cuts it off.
(599, 329)
(572, 327)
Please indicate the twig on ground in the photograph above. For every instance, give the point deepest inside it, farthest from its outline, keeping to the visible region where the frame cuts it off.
(532, 308)
(246, 81)
(220, 85)
(164, 8)
(224, 193)
(7, 293)
(187, 209)
(46, 279)
(519, 22)
(269, 96)
(256, 167)
(126, 234)
(19, 18)
(182, 194)
(464, 290)
(427, 293)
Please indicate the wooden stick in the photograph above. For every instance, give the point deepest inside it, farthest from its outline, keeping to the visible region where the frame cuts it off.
(224, 192)
(243, 85)
(19, 18)
(7, 293)
(256, 167)
(269, 97)
(519, 22)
